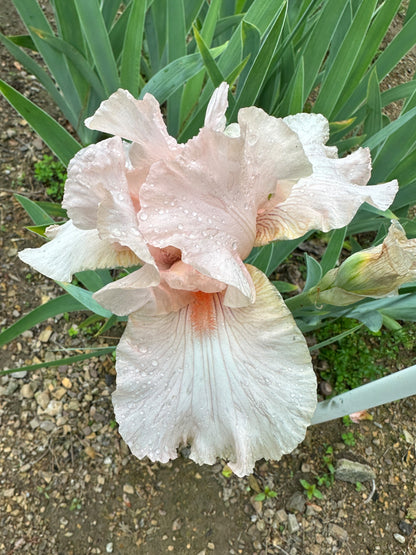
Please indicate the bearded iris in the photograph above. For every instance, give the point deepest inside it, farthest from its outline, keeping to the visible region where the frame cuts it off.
(211, 355)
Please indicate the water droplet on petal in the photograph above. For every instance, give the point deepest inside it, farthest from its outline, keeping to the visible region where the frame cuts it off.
(143, 216)
(180, 226)
(143, 349)
(155, 363)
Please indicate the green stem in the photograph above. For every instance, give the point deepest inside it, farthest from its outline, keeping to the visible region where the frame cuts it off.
(307, 298)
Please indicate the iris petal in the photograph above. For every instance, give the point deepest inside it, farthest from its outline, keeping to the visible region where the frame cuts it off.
(328, 198)
(73, 250)
(235, 383)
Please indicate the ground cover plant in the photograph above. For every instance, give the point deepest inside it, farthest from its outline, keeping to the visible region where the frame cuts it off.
(284, 58)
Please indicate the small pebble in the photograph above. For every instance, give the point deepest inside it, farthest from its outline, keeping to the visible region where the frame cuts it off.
(405, 527)
(109, 547)
(399, 538)
(42, 399)
(296, 503)
(66, 382)
(337, 532)
(27, 391)
(353, 472)
(281, 516)
(292, 524)
(45, 334)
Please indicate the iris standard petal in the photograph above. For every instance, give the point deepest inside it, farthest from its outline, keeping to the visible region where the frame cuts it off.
(97, 196)
(73, 250)
(139, 121)
(217, 106)
(93, 171)
(274, 159)
(234, 383)
(198, 204)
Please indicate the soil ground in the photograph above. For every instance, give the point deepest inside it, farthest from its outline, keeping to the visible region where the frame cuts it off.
(68, 484)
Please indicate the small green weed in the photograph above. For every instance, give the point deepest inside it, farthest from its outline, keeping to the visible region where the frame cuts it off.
(346, 420)
(227, 472)
(75, 504)
(43, 491)
(311, 490)
(73, 330)
(267, 493)
(348, 438)
(327, 479)
(52, 173)
(358, 486)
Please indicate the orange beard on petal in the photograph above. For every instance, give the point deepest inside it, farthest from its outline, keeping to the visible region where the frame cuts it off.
(202, 313)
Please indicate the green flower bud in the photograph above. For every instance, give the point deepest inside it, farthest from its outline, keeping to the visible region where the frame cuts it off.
(375, 272)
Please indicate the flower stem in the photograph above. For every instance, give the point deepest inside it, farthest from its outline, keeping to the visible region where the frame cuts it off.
(307, 298)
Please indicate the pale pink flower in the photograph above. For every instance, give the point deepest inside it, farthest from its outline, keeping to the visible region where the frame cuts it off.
(211, 356)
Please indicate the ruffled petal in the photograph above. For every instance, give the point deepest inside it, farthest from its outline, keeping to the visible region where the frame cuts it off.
(198, 204)
(217, 106)
(93, 171)
(73, 250)
(139, 121)
(141, 290)
(274, 158)
(330, 197)
(97, 196)
(235, 383)
(117, 222)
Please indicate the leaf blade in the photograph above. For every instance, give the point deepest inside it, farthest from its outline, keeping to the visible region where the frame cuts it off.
(54, 135)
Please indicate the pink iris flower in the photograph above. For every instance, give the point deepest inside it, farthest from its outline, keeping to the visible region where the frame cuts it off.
(211, 356)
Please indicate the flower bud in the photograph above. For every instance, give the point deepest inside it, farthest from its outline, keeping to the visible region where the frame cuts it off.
(375, 272)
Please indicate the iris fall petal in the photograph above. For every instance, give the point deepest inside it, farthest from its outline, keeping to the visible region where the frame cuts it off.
(73, 250)
(328, 198)
(235, 383)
